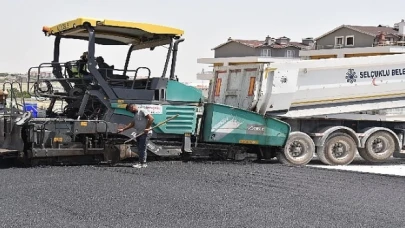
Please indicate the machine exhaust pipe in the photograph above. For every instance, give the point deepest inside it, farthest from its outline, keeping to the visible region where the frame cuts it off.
(174, 59)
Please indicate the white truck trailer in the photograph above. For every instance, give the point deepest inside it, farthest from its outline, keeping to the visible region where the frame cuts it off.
(335, 107)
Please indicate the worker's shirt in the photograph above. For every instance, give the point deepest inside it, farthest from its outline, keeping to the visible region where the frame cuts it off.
(82, 66)
(78, 68)
(141, 121)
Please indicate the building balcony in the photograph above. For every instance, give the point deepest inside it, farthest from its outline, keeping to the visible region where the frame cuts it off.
(336, 51)
(277, 57)
(390, 43)
(205, 75)
(380, 44)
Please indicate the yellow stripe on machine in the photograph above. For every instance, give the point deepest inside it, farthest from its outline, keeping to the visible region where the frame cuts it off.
(247, 141)
(58, 139)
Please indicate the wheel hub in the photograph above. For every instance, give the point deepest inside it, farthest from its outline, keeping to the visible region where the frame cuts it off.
(339, 150)
(378, 145)
(296, 149)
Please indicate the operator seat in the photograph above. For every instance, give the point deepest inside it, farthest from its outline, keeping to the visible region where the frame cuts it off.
(105, 70)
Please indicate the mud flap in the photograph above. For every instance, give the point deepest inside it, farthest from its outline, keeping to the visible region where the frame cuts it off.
(14, 140)
(186, 145)
(399, 154)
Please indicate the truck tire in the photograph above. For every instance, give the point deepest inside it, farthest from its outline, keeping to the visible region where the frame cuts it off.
(298, 150)
(378, 147)
(363, 154)
(321, 155)
(339, 149)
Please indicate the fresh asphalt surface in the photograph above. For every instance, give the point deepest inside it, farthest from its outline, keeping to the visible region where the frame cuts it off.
(199, 194)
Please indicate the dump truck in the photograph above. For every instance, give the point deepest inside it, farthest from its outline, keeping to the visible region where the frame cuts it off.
(336, 108)
(96, 95)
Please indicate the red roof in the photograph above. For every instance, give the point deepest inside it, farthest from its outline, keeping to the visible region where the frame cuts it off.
(373, 30)
(261, 43)
(368, 30)
(290, 44)
(250, 43)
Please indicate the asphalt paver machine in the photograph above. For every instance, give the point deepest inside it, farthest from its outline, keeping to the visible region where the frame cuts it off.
(86, 127)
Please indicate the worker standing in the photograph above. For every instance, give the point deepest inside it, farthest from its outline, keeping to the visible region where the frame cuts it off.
(82, 64)
(142, 122)
(3, 99)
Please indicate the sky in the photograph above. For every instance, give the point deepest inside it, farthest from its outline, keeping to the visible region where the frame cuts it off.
(206, 24)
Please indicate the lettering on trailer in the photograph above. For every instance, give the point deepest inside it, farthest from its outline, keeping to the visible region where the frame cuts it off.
(255, 129)
(351, 75)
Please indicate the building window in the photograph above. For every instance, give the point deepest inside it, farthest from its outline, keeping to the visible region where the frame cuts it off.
(349, 40)
(265, 52)
(339, 41)
(290, 53)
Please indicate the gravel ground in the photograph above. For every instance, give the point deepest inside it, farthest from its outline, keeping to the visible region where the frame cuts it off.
(175, 194)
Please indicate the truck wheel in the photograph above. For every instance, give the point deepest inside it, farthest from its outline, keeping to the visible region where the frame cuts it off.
(321, 155)
(363, 154)
(339, 149)
(379, 147)
(299, 150)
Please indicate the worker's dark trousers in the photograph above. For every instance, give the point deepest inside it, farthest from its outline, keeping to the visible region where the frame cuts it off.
(141, 143)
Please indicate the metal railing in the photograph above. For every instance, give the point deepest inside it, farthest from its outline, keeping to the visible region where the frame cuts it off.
(390, 43)
(206, 72)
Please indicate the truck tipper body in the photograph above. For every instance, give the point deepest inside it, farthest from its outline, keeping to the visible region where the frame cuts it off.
(337, 107)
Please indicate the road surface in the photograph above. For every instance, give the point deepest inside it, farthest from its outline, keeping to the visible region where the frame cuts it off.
(218, 194)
